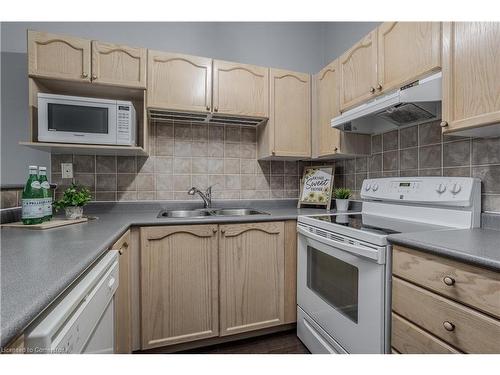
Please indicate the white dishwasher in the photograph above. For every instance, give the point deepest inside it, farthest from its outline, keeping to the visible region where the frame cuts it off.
(82, 319)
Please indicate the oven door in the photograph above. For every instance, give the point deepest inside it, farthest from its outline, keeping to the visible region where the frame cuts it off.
(74, 120)
(341, 286)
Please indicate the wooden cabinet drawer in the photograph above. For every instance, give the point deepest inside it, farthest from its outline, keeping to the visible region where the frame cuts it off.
(407, 338)
(470, 331)
(474, 286)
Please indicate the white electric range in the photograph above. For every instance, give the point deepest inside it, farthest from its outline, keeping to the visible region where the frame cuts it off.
(344, 260)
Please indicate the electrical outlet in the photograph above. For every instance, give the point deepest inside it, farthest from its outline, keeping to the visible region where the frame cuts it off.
(67, 170)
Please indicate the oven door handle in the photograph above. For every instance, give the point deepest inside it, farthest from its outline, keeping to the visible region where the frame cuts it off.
(374, 254)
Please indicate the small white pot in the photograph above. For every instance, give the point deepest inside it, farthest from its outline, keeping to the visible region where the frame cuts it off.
(342, 204)
(73, 212)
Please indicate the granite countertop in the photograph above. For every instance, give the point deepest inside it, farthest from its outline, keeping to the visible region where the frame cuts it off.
(37, 266)
(477, 246)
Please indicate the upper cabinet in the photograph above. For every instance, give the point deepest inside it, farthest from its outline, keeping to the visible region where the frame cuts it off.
(74, 59)
(328, 141)
(327, 106)
(58, 57)
(114, 64)
(406, 51)
(358, 72)
(240, 89)
(179, 82)
(471, 77)
(288, 132)
(394, 54)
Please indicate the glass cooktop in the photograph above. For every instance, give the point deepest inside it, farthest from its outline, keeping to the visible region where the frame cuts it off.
(373, 223)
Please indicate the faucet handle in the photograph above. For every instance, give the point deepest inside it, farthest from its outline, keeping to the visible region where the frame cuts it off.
(209, 190)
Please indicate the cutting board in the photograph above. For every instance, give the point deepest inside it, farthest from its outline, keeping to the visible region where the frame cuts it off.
(54, 223)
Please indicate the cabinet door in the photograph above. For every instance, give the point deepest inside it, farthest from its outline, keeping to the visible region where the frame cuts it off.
(240, 89)
(471, 74)
(179, 82)
(123, 307)
(290, 113)
(406, 51)
(252, 277)
(327, 107)
(59, 57)
(358, 72)
(118, 65)
(179, 284)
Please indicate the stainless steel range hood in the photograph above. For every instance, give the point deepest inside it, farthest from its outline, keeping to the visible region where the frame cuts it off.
(412, 104)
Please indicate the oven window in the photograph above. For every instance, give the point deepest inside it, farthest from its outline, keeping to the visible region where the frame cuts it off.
(334, 280)
(77, 118)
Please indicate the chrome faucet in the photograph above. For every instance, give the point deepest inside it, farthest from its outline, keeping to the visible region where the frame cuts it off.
(206, 196)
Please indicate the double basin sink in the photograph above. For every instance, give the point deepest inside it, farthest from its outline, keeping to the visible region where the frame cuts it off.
(210, 212)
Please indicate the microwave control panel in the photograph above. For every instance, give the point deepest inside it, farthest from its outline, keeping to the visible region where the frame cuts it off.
(125, 123)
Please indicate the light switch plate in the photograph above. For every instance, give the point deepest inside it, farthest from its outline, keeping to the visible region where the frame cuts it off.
(67, 170)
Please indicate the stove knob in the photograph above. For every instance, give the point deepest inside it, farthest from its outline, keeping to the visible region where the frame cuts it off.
(441, 188)
(368, 187)
(375, 187)
(455, 189)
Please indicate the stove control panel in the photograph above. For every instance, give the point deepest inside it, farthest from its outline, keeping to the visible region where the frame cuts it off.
(454, 191)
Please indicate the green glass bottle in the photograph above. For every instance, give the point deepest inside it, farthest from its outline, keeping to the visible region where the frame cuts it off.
(46, 193)
(32, 202)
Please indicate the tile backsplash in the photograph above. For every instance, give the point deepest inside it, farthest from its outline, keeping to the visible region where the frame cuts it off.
(184, 155)
(423, 151)
(10, 198)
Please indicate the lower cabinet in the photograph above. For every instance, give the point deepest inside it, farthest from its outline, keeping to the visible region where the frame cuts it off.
(251, 266)
(441, 305)
(205, 281)
(123, 306)
(179, 284)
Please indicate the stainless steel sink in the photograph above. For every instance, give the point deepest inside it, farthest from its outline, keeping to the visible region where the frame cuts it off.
(210, 212)
(238, 212)
(184, 213)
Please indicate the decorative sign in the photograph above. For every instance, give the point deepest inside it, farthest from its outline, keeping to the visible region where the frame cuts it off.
(316, 186)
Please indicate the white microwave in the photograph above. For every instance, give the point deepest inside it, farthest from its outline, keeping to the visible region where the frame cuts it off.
(74, 119)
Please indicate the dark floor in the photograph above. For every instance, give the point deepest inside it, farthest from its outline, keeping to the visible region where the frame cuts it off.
(276, 343)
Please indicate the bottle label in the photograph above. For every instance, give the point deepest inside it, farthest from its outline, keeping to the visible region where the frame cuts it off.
(33, 208)
(47, 207)
(45, 185)
(36, 185)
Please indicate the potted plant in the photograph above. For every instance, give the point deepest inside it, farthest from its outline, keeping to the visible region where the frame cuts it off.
(73, 200)
(342, 196)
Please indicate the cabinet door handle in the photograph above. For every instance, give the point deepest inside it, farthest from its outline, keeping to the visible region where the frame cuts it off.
(214, 230)
(94, 77)
(448, 326)
(444, 124)
(273, 152)
(216, 109)
(379, 87)
(372, 89)
(448, 280)
(223, 231)
(208, 108)
(335, 149)
(84, 75)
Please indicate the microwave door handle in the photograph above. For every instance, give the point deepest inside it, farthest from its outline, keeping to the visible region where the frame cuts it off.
(373, 254)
